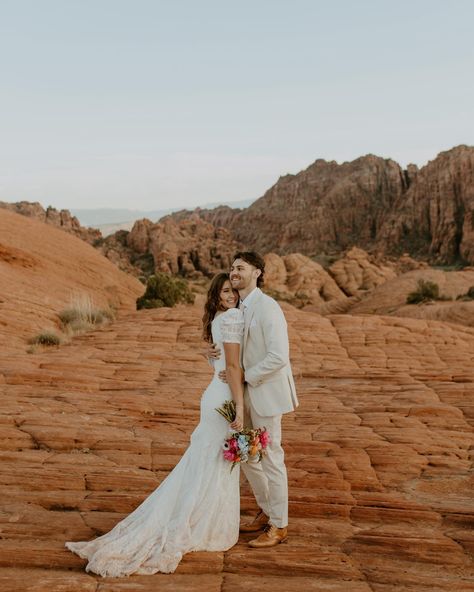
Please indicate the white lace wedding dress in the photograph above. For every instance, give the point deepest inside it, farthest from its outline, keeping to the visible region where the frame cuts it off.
(197, 506)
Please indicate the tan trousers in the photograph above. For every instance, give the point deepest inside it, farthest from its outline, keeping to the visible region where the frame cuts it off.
(268, 478)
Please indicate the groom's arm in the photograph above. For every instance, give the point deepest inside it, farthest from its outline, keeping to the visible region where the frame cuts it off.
(275, 334)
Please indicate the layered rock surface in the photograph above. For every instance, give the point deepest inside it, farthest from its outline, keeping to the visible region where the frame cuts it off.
(379, 455)
(390, 298)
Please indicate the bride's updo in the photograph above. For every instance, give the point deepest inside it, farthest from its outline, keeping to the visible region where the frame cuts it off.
(213, 305)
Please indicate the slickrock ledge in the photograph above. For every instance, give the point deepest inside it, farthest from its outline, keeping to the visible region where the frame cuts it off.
(41, 269)
(379, 455)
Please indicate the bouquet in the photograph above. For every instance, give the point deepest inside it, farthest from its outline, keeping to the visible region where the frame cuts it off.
(246, 445)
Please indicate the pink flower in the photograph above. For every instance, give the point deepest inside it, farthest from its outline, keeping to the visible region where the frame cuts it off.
(233, 444)
(229, 455)
(264, 439)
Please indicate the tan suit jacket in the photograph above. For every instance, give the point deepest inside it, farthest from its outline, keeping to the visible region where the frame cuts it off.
(265, 357)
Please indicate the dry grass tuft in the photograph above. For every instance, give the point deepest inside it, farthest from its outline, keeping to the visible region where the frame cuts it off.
(48, 338)
(82, 315)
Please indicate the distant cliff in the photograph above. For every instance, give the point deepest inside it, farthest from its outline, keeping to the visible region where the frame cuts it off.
(370, 202)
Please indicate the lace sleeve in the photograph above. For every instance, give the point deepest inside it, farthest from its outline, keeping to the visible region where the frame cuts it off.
(232, 326)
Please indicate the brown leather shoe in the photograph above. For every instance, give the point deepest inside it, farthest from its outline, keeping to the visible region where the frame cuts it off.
(271, 537)
(258, 523)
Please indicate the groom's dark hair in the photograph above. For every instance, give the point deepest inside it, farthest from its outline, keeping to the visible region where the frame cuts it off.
(252, 258)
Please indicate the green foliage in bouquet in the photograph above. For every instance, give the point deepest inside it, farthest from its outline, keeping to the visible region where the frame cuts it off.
(243, 446)
(163, 289)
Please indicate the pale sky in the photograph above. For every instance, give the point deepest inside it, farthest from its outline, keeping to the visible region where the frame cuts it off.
(158, 103)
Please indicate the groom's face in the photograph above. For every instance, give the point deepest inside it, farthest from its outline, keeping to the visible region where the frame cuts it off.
(243, 275)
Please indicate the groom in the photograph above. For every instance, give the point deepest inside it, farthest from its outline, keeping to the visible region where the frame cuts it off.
(269, 392)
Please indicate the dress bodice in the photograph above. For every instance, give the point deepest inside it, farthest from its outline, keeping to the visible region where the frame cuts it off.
(227, 327)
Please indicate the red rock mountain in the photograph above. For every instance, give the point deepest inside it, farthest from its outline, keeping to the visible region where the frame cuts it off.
(435, 217)
(370, 202)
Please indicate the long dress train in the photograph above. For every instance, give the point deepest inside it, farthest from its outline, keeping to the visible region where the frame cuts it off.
(195, 508)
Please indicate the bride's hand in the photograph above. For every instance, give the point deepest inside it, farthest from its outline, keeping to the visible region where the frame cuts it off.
(238, 423)
(211, 351)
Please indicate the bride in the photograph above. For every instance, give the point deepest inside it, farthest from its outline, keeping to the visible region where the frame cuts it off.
(197, 506)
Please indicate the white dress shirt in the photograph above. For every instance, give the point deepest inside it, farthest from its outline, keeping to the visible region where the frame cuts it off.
(245, 303)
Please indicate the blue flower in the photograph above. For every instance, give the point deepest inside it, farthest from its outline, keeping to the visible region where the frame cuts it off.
(243, 443)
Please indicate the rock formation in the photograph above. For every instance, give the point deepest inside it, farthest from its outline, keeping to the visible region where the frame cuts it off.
(351, 279)
(357, 272)
(390, 297)
(326, 208)
(61, 219)
(435, 216)
(299, 280)
(190, 247)
(42, 268)
(370, 203)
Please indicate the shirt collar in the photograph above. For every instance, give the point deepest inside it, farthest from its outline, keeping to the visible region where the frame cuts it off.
(248, 299)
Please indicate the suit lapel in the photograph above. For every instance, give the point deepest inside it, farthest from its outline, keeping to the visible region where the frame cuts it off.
(249, 313)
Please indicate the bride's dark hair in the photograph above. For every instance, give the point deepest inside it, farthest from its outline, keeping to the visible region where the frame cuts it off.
(212, 305)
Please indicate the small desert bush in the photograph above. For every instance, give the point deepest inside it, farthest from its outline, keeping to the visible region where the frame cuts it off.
(469, 295)
(425, 292)
(48, 338)
(163, 289)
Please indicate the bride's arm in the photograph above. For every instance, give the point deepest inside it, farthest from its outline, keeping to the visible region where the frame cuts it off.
(234, 380)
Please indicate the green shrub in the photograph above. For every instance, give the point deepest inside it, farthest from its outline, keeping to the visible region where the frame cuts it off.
(145, 263)
(469, 295)
(45, 338)
(163, 289)
(425, 291)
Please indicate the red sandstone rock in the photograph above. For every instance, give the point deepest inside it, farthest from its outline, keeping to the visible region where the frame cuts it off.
(434, 217)
(61, 219)
(42, 268)
(390, 297)
(190, 247)
(356, 272)
(300, 280)
(327, 207)
(379, 453)
(370, 203)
